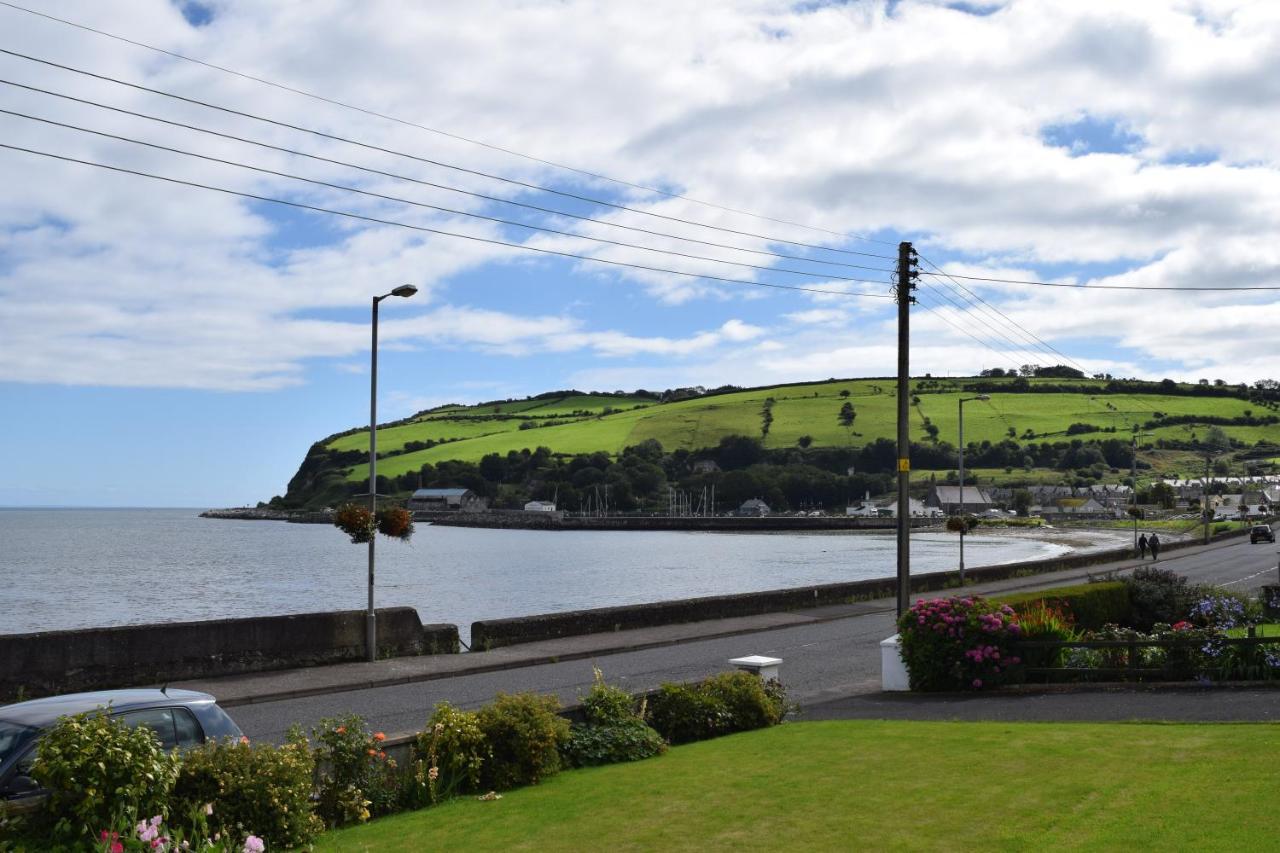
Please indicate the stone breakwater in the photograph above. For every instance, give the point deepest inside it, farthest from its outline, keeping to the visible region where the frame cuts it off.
(519, 520)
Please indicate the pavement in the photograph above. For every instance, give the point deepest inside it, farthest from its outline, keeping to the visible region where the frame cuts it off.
(831, 665)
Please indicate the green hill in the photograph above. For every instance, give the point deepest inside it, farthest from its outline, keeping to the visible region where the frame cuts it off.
(1170, 415)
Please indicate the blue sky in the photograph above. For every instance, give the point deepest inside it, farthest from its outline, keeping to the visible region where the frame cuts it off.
(161, 345)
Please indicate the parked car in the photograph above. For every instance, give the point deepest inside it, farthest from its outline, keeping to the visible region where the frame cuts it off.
(1261, 533)
(182, 719)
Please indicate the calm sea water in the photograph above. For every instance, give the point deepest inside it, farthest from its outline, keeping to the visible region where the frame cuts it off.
(73, 568)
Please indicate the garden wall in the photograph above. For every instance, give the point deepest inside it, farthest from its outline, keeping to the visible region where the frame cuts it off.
(52, 662)
(494, 633)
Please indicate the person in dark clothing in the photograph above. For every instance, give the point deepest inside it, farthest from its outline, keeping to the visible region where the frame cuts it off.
(1154, 544)
(1142, 546)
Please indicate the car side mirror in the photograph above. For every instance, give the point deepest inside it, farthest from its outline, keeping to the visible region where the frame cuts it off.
(20, 786)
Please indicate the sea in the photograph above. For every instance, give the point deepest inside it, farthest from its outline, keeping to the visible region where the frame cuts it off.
(78, 568)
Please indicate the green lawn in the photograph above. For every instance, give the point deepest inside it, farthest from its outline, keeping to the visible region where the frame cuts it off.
(872, 785)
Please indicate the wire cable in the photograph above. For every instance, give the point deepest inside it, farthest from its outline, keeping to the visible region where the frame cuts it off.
(425, 229)
(1104, 286)
(439, 163)
(458, 137)
(432, 184)
(1045, 344)
(398, 199)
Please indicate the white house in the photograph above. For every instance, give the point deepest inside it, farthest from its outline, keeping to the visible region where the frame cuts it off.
(540, 506)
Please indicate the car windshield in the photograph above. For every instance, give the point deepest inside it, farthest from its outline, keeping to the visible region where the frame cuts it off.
(13, 739)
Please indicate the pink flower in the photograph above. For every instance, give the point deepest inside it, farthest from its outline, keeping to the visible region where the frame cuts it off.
(254, 844)
(977, 684)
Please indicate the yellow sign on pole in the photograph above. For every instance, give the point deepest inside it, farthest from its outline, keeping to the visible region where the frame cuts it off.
(904, 464)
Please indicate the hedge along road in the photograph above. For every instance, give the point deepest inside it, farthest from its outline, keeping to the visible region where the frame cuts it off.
(823, 661)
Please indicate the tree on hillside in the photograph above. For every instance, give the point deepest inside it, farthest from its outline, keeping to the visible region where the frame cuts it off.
(847, 415)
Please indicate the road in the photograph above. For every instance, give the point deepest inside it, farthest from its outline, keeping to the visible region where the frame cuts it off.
(822, 662)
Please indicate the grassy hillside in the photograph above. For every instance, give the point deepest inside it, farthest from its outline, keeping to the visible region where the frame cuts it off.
(582, 424)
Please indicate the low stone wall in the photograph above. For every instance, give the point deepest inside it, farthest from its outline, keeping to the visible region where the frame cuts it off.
(494, 633)
(53, 662)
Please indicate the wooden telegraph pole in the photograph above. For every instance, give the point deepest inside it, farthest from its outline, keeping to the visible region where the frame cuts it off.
(906, 283)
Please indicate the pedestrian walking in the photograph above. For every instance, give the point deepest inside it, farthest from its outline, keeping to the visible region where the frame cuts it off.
(1142, 546)
(1154, 544)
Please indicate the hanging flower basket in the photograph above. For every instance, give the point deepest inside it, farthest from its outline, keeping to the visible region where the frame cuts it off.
(396, 522)
(355, 521)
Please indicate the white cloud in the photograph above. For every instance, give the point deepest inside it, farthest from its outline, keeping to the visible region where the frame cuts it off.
(846, 117)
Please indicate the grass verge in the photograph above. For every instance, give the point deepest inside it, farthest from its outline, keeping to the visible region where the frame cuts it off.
(886, 786)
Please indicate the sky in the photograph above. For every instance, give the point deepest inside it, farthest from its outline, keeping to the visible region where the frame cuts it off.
(168, 345)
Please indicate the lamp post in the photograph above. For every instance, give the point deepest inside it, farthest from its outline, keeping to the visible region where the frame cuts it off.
(1133, 481)
(964, 525)
(371, 619)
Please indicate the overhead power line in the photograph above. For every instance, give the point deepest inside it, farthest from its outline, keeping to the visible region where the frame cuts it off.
(1045, 345)
(455, 136)
(1102, 286)
(427, 160)
(428, 230)
(398, 199)
(432, 184)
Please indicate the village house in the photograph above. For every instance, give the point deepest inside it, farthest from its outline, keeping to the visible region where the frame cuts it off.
(754, 507)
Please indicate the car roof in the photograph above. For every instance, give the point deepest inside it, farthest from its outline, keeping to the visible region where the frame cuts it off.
(43, 712)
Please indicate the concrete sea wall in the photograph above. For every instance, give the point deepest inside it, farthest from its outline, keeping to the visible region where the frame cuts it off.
(51, 662)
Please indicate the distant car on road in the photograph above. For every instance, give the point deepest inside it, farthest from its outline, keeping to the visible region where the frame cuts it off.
(182, 719)
(1261, 533)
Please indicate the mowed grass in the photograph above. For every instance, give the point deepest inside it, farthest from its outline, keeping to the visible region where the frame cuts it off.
(876, 785)
(805, 410)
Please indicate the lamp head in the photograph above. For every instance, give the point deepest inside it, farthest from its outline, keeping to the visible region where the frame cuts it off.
(405, 290)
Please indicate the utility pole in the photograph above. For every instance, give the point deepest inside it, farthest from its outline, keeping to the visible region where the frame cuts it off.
(906, 283)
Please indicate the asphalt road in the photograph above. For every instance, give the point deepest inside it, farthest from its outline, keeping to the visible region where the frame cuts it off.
(822, 662)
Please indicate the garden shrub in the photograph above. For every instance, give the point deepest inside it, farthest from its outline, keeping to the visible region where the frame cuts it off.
(743, 694)
(682, 714)
(729, 702)
(958, 643)
(1091, 605)
(99, 773)
(605, 705)
(259, 788)
(355, 778)
(624, 740)
(1156, 596)
(448, 755)
(525, 734)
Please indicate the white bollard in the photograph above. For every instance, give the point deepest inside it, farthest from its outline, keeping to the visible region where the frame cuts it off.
(893, 672)
(766, 668)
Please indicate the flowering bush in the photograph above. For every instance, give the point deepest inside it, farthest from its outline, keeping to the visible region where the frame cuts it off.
(232, 787)
(151, 835)
(1219, 609)
(449, 755)
(356, 778)
(958, 643)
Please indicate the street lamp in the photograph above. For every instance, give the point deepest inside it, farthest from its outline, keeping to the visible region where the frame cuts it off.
(964, 525)
(370, 619)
